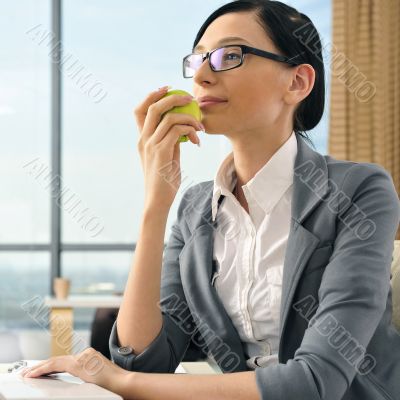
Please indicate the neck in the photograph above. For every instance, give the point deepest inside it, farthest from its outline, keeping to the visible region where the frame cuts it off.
(252, 154)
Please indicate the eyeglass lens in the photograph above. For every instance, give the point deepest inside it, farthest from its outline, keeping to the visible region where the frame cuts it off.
(221, 59)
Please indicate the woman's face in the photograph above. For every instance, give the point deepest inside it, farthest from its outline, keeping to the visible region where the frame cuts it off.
(254, 91)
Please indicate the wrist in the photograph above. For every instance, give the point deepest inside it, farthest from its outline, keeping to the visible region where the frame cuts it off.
(157, 203)
(125, 388)
(121, 382)
(152, 211)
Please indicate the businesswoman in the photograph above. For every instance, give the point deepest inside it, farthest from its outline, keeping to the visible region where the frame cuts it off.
(281, 264)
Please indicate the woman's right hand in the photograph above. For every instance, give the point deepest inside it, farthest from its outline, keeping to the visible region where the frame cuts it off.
(158, 145)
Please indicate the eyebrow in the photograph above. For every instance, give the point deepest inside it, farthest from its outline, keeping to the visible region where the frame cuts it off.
(222, 41)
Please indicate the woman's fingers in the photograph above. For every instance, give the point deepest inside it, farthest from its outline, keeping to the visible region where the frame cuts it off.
(41, 372)
(51, 366)
(188, 123)
(142, 109)
(26, 370)
(157, 110)
(89, 365)
(175, 133)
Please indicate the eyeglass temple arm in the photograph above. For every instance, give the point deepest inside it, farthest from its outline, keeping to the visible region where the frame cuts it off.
(271, 56)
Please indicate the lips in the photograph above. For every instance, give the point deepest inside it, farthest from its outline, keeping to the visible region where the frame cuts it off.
(210, 100)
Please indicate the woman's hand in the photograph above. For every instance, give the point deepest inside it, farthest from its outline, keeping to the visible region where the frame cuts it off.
(159, 146)
(89, 365)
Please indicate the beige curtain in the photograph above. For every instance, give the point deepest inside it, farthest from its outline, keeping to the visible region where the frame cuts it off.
(365, 83)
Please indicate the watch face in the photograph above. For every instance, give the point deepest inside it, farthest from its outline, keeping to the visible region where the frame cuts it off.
(125, 350)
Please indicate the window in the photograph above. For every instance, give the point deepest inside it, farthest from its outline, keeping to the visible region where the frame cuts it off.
(24, 123)
(25, 132)
(320, 13)
(23, 276)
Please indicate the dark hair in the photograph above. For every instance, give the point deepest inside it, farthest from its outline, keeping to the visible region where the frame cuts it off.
(291, 32)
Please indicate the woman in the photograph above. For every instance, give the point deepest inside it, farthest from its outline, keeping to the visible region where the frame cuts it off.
(299, 304)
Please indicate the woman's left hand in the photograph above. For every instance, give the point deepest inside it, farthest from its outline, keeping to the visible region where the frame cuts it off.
(89, 365)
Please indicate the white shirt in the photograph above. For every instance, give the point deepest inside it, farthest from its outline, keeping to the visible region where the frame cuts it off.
(249, 253)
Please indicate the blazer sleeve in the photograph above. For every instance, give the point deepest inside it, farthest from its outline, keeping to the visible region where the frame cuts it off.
(166, 351)
(352, 295)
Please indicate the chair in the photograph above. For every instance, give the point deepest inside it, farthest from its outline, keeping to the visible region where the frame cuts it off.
(395, 281)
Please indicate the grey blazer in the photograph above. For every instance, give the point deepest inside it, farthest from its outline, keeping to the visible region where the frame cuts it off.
(337, 339)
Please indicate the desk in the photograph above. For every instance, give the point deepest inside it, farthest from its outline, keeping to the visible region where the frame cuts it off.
(62, 318)
(64, 386)
(61, 386)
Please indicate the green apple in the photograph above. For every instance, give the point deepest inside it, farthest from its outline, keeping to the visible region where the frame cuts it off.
(191, 108)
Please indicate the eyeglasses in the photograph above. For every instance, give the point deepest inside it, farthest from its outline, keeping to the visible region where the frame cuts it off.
(229, 57)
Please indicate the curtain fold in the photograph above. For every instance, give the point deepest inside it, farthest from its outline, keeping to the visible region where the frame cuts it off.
(365, 84)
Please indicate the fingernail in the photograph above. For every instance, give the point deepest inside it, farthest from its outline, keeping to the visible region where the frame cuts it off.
(187, 97)
(202, 127)
(164, 88)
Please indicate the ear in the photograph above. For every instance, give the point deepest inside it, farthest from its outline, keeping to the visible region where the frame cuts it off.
(301, 82)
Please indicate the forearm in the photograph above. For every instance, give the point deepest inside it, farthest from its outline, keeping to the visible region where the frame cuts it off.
(150, 386)
(139, 319)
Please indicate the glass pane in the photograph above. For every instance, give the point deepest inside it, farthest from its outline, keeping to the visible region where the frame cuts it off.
(320, 13)
(24, 121)
(24, 279)
(101, 164)
(94, 273)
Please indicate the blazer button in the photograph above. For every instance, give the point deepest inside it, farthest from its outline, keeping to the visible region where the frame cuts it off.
(126, 350)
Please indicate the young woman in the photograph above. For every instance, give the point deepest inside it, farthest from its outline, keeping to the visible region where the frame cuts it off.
(282, 263)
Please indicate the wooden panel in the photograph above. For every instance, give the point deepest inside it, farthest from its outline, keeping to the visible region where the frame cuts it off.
(61, 330)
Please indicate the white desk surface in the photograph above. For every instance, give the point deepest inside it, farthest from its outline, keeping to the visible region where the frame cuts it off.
(58, 386)
(85, 301)
(67, 387)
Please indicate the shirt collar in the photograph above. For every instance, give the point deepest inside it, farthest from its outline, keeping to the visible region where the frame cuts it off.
(267, 186)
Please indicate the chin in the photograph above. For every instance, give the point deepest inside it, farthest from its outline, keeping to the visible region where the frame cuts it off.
(220, 129)
(213, 128)
(213, 132)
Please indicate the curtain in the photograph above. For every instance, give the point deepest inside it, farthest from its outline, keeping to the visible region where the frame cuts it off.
(365, 84)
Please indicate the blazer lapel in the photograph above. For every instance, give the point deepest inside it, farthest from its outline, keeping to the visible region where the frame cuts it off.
(213, 322)
(310, 187)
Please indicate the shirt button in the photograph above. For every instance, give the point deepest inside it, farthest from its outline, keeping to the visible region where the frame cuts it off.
(126, 350)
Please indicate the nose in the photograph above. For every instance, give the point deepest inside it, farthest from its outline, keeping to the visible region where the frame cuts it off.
(204, 72)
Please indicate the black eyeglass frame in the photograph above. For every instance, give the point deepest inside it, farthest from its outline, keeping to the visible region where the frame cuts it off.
(245, 50)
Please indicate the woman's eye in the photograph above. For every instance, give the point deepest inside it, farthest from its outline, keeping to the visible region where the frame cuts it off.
(231, 56)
